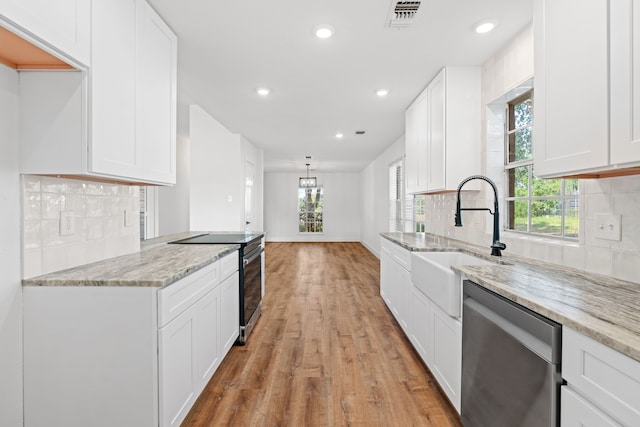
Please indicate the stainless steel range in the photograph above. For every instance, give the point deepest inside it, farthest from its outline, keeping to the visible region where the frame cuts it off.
(250, 268)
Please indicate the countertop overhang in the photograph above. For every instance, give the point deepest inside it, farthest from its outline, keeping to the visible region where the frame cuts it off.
(601, 307)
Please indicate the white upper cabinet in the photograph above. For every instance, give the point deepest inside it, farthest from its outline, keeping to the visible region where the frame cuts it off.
(64, 25)
(156, 100)
(116, 121)
(625, 80)
(112, 79)
(416, 118)
(587, 101)
(442, 135)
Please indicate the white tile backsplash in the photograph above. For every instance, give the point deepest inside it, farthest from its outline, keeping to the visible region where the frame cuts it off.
(100, 231)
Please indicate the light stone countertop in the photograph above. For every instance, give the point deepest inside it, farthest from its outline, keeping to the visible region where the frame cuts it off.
(601, 307)
(159, 264)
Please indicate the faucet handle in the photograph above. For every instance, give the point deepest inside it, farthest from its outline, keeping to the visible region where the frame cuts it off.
(499, 245)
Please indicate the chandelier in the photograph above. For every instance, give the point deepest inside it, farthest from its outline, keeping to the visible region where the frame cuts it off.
(308, 182)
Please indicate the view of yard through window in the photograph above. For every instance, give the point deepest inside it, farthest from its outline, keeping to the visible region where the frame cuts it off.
(310, 209)
(534, 205)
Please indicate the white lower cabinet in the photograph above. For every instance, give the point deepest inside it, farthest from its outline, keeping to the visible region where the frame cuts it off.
(436, 336)
(229, 317)
(395, 282)
(578, 412)
(603, 385)
(126, 356)
(177, 347)
(421, 319)
(447, 353)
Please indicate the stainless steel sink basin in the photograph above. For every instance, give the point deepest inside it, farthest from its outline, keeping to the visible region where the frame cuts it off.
(431, 273)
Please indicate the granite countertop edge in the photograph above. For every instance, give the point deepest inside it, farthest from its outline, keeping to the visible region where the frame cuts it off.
(156, 265)
(600, 307)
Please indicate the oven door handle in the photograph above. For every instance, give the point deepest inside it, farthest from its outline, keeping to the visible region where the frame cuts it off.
(255, 254)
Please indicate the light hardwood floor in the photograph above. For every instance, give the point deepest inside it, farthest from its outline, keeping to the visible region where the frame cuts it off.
(326, 352)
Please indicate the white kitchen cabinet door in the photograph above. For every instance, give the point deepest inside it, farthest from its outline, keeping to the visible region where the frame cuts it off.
(422, 325)
(385, 271)
(447, 353)
(415, 144)
(571, 95)
(62, 25)
(229, 312)
(575, 411)
(156, 76)
(435, 141)
(176, 364)
(625, 80)
(207, 355)
(442, 135)
(395, 282)
(112, 86)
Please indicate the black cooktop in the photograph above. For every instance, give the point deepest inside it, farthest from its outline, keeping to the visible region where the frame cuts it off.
(219, 238)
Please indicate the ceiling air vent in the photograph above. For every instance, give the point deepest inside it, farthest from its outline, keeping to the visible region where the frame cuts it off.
(401, 13)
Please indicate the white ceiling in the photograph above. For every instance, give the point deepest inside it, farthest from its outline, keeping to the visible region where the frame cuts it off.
(320, 87)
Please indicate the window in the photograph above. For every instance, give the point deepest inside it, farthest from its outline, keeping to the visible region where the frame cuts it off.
(541, 206)
(400, 204)
(310, 207)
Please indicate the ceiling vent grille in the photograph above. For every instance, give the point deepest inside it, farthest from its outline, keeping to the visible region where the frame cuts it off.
(401, 13)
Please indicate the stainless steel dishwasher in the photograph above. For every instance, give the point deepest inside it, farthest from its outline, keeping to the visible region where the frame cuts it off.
(510, 363)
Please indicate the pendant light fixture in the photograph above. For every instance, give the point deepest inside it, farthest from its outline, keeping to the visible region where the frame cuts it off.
(308, 182)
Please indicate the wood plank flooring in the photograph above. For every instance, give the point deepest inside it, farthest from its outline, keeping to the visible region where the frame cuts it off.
(325, 352)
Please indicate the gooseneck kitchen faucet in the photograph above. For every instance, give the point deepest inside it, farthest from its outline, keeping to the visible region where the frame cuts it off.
(497, 246)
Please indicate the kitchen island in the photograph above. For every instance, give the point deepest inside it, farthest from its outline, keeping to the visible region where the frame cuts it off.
(128, 341)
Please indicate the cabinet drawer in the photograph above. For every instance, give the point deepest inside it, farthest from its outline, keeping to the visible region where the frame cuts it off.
(399, 254)
(577, 412)
(606, 377)
(228, 264)
(176, 298)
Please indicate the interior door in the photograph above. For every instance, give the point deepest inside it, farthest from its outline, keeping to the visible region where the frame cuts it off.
(249, 195)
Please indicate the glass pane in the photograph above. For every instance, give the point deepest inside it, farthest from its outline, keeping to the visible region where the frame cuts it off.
(522, 113)
(518, 182)
(571, 187)
(546, 217)
(520, 145)
(545, 187)
(571, 219)
(517, 215)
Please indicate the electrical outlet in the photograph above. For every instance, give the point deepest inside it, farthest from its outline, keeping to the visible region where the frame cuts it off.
(67, 223)
(608, 227)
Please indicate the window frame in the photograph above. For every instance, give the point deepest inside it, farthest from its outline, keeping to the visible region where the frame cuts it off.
(306, 212)
(401, 205)
(564, 200)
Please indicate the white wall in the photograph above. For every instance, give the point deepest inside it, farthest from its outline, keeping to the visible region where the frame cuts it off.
(209, 194)
(216, 191)
(342, 207)
(100, 228)
(375, 193)
(173, 202)
(10, 286)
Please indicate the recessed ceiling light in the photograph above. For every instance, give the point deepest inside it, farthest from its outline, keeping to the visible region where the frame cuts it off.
(339, 135)
(263, 91)
(382, 92)
(485, 27)
(323, 31)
